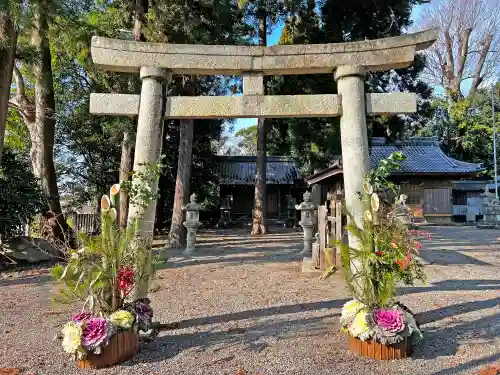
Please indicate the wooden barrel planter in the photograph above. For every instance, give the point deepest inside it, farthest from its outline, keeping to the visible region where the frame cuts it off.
(376, 350)
(122, 347)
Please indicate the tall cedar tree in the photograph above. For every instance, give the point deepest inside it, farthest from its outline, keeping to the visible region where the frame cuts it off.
(39, 115)
(8, 41)
(316, 142)
(264, 14)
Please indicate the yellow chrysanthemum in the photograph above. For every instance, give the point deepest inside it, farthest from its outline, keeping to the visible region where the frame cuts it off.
(368, 216)
(351, 308)
(359, 327)
(122, 318)
(72, 335)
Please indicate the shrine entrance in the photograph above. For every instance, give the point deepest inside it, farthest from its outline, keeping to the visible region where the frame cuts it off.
(347, 62)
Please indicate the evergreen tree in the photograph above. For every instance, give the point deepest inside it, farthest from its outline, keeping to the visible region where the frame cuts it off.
(468, 134)
(315, 142)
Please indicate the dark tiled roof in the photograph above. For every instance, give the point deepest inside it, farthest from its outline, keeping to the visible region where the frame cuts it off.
(423, 155)
(240, 170)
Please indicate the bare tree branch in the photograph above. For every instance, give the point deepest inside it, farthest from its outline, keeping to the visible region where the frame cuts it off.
(477, 79)
(469, 43)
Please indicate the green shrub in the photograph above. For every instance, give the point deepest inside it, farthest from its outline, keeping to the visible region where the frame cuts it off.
(21, 197)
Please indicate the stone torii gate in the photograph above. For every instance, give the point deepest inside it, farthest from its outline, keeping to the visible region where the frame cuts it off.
(348, 63)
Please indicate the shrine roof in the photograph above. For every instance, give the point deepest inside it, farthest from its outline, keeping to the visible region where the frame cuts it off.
(240, 170)
(423, 157)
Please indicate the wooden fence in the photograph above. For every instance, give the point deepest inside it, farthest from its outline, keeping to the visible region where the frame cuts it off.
(329, 225)
(84, 223)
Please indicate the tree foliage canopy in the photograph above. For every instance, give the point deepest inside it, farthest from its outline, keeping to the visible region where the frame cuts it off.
(21, 198)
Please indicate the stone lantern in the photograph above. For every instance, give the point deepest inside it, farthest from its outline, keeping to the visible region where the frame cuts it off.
(192, 223)
(307, 221)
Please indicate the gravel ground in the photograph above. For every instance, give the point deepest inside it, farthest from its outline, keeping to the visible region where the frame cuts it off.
(244, 308)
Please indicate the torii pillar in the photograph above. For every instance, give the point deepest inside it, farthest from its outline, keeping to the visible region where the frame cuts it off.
(354, 137)
(147, 152)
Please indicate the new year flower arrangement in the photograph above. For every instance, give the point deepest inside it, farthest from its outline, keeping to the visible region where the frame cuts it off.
(104, 274)
(89, 332)
(384, 254)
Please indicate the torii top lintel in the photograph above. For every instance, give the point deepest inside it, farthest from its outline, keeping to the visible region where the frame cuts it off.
(374, 55)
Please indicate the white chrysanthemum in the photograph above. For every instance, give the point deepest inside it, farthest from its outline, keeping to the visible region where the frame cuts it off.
(72, 335)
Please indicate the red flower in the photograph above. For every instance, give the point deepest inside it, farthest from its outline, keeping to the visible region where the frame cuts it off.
(394, 245)
(403, 263)
(379, 253)
(399, 262)
(125, 280)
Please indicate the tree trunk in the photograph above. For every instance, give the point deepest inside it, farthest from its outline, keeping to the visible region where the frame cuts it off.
(259, 225)
(177, 234)
(141, 8)
(477, 79)
(8, 39)
(42, 130)
(126, 159)
(125, 168)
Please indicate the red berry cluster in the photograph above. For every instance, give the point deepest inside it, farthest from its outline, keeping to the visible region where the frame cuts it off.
(125, 280)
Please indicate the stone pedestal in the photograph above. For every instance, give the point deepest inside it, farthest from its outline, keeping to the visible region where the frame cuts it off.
(491, 211)
(354, 138)
(192, 224)
(147, 152)
(190, 238)
(306, 214)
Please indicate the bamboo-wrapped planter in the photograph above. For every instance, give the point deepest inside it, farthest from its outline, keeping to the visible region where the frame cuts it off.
(122, 347)
(376, 350)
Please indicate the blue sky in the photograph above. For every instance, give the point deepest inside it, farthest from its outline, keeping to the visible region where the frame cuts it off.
(273, 39)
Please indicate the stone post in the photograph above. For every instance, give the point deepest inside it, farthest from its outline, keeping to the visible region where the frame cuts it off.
(306, 215)
(192, 223)
(354, 138)
(291, 219)
(147, 152)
